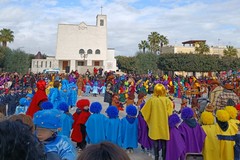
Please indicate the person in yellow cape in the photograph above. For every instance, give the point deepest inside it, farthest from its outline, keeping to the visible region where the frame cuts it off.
(225, 129)
(156, 112)
(211, 149)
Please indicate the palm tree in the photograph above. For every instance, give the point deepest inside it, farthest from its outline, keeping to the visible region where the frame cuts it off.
(201, 48)
(230, 51)
(154, 40)
(143, 45)
(163, 40)
(6, 35)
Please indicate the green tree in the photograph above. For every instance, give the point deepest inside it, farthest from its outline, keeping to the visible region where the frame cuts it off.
(6, 35)
(201, 48)
(145, 62)
(143, 45)
(154, 40)
(16, 61)
(163, 40)
(126, 64)
(230, 51)
(3, 52)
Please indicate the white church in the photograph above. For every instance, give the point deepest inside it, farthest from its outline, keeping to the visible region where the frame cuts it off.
(80, 47)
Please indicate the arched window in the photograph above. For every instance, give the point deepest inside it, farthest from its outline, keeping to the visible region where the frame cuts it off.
(81, 51)
(89, 51)
(97, 51)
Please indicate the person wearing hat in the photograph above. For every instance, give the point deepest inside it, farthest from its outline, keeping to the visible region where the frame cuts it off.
(109, 90)
(176, 142)
(226, 95)
(192, 132)
(224, 129)
(216, 89)
(156, 112)
(95, 125)
(22, 107)
(113, 126)
(232, 111)
(29, 97)
(47, 123)
(211, 149)
(80, 118)
(129, 129)
(39, 97)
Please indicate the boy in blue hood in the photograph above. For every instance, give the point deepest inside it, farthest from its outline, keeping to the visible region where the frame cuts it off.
(129, 129)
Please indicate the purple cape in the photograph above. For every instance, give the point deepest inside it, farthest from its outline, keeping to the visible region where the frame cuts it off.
(175, 146)
(193, 137)
(143, 138)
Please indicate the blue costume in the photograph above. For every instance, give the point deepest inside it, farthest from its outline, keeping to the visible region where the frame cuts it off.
(87, 89)
(22, 108)
(30, 96)
(113, 126)
(59, 145)
(66, 120)
(72, 94)
(95, 125)
(54, 97)
(95, 88)
(64, 90)
(129, 128)
(103, 89)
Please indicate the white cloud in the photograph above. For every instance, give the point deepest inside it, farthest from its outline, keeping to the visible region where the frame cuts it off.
(35, 22)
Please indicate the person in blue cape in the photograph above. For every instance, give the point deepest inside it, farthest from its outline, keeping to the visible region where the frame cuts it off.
(46, 105)
(88, 88)
(22, 107)
(193, 134)
(66, 119)
(72, 94)
(64, 89)
(113, 126)
(29, 97)
(129, 129)
(47, 123)
(54, 96)
(95, 89)
(95, 125)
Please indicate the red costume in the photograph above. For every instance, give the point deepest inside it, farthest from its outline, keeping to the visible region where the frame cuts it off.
(39, 96)
(80, 119)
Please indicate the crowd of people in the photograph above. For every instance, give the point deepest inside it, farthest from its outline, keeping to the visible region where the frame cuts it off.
(206, 124)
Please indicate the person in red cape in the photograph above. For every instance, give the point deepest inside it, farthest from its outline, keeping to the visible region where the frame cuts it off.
(80, 118)
(39, 97)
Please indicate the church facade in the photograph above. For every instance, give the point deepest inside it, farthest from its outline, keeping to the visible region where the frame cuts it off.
(81, 47)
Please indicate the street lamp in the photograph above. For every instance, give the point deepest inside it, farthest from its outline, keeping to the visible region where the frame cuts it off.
(83, 54)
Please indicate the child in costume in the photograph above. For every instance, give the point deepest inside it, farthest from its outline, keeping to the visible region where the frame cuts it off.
(176, 142)
(235, 138)
(95, 89)
(80, 118)
(116, 102)
(232, 111)
(129, 129)
(64, 90)
(103, 89)
(88, 88)
(113, 126)
(211, 149)
(95, 124)
(22, 107)
(29, 97)
(12, 101)
(72, 95)
(39, 97)
(130, 100)
(193, 133)
(66, 119)
(225, 129)
(47, 123)
(46, 105)
(143, 138)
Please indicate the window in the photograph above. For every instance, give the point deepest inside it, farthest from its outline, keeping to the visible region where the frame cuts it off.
(96, 63)
(46, 64)
(50, 64)
(80, 63)
(37, 63)
(89, 51)
(41, 64)
(101, 22)
(97, 51)
(81, 51)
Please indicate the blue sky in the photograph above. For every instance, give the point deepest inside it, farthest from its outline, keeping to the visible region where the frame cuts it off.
(35, 22)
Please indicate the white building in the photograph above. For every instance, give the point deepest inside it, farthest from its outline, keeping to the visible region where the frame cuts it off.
(81, 47)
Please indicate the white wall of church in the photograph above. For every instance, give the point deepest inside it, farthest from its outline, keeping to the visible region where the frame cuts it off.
(72, 38)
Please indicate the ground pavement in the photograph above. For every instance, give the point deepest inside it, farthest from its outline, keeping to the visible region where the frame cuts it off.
(138, 154)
